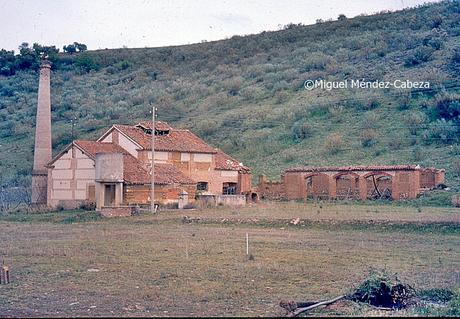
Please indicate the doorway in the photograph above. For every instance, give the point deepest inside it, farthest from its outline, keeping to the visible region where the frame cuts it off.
(109, 195)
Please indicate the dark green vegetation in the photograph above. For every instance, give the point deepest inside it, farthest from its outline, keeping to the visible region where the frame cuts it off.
(246, 96)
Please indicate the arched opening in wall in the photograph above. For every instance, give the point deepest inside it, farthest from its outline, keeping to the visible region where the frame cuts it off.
(254, 197)
(347, 185)
(379, 185)
(317, 186)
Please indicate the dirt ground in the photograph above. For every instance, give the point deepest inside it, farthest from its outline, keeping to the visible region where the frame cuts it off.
(168, 265)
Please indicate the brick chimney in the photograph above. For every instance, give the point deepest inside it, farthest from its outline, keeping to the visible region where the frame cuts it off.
(42, 150)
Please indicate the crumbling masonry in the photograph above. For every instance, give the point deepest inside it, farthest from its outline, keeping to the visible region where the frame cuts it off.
(352, 182)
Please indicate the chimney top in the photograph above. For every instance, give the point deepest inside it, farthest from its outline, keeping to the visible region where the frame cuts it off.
(45, 64)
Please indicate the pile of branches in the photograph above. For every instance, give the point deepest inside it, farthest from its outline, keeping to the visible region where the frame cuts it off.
(383, 290)
(380, 290)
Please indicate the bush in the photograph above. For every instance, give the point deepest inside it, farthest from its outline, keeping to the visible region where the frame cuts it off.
(440, 131)
(418, 154)
(421, 54)
(456, 55)
(404, 100)
(456, 200)
(88, 206)
(455, 167)
(394, 144)
(415, 121)
(368, 137)
(436, 294)
(86, 63)
(383, 290)
(301, 130)
(336, 112)
(334, 143)
(317, 61)
(447, 106)
(233, 85)
(455, 149)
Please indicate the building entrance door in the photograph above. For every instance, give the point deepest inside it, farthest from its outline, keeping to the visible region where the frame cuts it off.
(109, 195)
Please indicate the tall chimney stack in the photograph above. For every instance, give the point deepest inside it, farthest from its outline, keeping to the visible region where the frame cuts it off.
(42, 150)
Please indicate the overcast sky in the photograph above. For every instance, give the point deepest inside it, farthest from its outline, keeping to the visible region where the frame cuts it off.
(150, 23)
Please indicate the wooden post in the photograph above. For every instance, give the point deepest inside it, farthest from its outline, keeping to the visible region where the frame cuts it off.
(4, 275)
(247, 244)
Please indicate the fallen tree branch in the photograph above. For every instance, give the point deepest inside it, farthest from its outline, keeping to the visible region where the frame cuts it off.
(298, 311)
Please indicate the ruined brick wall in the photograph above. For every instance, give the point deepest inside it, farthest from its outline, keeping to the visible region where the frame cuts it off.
(427, 179)
(346, 183)
(406, 185)
(244, 183)
(294, 185)
(439, 177)
(271, 190)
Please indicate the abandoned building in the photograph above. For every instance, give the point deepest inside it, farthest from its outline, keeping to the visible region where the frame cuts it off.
(352, 182)
(115, 170)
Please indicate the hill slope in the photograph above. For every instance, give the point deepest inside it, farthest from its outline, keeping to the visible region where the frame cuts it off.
(246, 95)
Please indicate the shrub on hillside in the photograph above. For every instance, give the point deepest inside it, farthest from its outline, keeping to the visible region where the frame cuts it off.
(455, 167)
(336, 113)
(418, 154)
(455, 149)
(233, 85)
(415, 121)
(456, 55)
(394, 144)
(369, 103)
(334, 143)
(447, 106)
(420, 55)
(440, 131)
(368, 137)
(301, 130)
(86, 63)
(317, 61)
(404, 100)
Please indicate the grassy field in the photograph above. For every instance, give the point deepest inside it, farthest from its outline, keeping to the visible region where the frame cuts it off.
(75, 264)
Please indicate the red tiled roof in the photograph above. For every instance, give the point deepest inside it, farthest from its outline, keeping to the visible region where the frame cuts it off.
(168, 174)
(226, 162)
(354, 168)
(134, 171)
(94, 147)
(161, 126)
(177, 140)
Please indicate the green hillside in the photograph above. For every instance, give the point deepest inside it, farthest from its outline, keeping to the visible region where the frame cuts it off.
(246, 95)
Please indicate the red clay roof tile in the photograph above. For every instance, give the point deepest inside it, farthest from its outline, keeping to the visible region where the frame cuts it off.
(177, 140)
(226, 162)
(353, 168)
